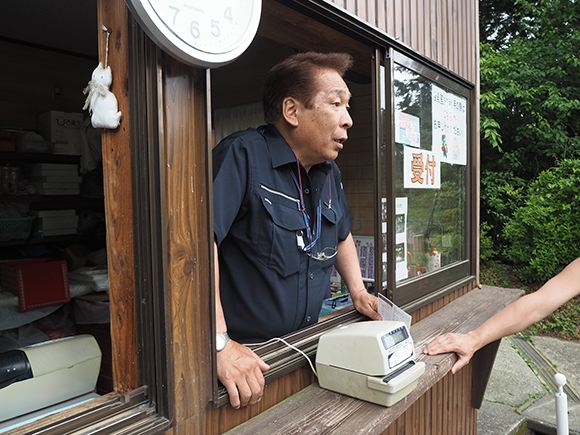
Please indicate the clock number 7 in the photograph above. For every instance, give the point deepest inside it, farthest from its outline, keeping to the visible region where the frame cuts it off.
(175, 14)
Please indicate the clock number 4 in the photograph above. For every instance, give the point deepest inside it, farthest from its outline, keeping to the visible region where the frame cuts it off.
(228, 14)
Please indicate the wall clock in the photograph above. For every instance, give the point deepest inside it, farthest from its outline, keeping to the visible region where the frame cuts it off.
(203, 33)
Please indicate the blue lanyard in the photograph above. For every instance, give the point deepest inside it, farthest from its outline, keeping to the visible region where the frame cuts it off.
(311, 243)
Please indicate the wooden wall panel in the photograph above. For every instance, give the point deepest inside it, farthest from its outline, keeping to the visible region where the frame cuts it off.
(443, 30)
(356, 162)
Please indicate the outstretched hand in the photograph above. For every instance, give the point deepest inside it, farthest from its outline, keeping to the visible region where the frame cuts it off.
(366, 303)
(240, 371)
(463, 345)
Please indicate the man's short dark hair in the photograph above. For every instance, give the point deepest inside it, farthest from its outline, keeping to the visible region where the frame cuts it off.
(295, 77)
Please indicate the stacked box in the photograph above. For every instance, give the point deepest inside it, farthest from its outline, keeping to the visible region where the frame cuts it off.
(8, 140)
(55, 222)
(55, 178)
(38, 283)
(63, 129)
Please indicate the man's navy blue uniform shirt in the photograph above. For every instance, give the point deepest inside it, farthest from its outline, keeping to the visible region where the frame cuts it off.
(268, 286)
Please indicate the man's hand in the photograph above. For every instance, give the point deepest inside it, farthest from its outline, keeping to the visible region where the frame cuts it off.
(366, 304)
(240, 371)
(463, 345)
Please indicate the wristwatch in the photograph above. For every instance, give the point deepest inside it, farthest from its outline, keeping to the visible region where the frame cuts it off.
(221, 340)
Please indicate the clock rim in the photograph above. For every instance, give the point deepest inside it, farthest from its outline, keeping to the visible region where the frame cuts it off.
(175, 46)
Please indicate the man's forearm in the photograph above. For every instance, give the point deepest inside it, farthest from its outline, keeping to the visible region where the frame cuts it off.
(220, 320)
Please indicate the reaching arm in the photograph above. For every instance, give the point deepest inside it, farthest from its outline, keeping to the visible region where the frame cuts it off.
(348, 266)
(513, 318)
(239, 369)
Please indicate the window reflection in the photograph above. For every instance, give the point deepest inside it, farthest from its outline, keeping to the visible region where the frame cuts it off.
(430, 175)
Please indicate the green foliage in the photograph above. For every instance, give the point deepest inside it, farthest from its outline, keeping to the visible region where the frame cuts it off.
(501, 195)
(486, 251)
(499, 22)
(530, 114)
(530, 80)
(544, 234)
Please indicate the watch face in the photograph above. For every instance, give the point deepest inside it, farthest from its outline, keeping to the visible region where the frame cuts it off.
(200, 32)
(221, 341)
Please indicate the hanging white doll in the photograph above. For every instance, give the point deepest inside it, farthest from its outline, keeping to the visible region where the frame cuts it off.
(101, 102)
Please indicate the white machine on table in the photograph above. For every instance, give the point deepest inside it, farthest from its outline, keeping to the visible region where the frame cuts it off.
(48, 373)
(372, 361)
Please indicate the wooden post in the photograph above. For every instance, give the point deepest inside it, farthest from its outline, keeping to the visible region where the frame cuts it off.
(118, 201)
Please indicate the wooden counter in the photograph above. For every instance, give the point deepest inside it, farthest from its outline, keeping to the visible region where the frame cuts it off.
(316, 411)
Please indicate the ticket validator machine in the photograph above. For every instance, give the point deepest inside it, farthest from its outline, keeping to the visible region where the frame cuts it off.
(372, 361)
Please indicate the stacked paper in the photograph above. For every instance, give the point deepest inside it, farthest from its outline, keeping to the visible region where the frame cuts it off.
(55, 178)
(55, 222)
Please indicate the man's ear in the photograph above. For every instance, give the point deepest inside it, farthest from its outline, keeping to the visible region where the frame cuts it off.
(290, 108)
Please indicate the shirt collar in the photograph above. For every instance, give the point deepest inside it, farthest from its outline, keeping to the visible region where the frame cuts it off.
(281, 153)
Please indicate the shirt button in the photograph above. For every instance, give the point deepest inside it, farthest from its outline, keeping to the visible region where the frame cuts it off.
(308, 318)
(306, 191)
(311, 276)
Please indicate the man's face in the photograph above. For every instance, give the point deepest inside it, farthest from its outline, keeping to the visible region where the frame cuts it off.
(322, 127)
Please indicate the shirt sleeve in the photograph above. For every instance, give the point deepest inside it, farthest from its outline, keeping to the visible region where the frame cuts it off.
(230, 184)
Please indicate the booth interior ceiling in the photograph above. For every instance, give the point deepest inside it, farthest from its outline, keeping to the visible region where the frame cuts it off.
(67, 25)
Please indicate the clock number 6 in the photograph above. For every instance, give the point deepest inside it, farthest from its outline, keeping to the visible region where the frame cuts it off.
(194, 29)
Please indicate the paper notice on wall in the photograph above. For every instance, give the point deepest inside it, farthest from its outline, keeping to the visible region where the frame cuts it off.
(407, 129)
(401, 271)
(389, 311)
(366, 255)
(449, 126)
(421, 169)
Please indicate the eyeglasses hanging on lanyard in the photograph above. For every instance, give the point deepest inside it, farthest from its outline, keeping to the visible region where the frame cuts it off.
(326, 253)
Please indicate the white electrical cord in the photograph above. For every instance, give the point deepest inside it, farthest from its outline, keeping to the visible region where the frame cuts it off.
(291, 346)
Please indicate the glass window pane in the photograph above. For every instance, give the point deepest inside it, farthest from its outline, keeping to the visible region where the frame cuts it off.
(430, 175)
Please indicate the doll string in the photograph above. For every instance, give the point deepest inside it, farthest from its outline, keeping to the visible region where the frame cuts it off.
(107, 45)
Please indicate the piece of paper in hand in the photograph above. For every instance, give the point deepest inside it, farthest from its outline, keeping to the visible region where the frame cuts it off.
(389, 311)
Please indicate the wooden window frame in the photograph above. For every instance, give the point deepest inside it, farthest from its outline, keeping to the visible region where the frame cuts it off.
(281, 358)
(417, 292)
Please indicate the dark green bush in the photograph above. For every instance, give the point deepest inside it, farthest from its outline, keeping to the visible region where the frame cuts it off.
(501, 195)
(544, 234)
(486, 250)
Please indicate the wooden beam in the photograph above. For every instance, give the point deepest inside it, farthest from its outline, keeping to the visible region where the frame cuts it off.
(289, 27)
(119, 201)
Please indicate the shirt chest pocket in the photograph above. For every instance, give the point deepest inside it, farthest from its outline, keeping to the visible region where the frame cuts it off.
(277, 233)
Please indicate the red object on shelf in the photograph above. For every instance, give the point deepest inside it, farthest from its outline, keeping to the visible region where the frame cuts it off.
(38, 283)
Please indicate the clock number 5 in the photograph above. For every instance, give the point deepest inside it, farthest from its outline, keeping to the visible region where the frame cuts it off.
(215, 28)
